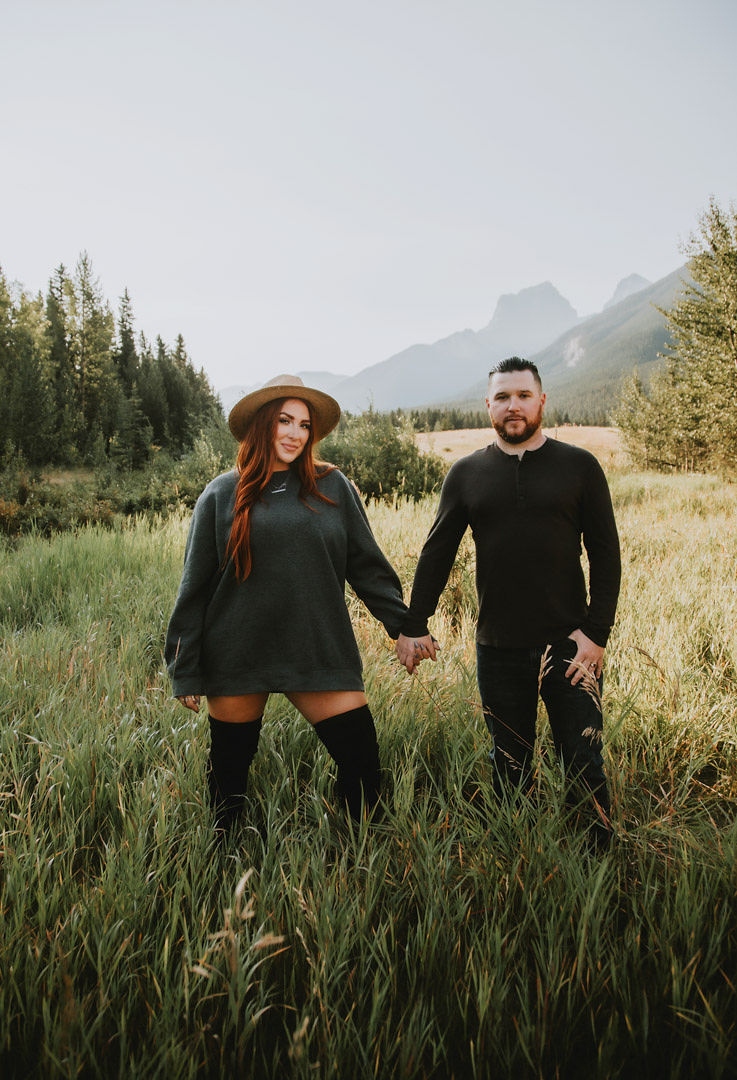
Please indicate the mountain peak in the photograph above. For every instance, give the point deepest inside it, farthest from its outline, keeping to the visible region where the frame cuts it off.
(529, 319)
(542, 299)
(634, 283)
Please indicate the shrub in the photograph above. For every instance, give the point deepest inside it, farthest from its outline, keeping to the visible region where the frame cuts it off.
(47, 508)
(378, 452)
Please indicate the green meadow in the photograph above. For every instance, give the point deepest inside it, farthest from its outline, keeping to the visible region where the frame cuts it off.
(459, 936)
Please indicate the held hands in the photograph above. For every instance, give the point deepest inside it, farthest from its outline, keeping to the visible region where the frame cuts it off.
(410, 651)
(588, 658)
(190, 701)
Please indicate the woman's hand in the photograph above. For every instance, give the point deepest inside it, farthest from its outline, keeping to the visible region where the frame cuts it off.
(410, 651)
(190, 701)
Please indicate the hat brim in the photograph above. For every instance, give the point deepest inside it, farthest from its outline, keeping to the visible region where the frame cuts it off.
(325, 409)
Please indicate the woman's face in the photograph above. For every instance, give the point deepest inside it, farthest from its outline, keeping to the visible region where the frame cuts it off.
(292, 432)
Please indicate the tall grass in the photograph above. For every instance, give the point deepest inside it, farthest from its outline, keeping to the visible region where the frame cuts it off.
(457, 937)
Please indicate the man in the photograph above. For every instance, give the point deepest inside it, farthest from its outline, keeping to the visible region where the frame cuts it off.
(529, 501)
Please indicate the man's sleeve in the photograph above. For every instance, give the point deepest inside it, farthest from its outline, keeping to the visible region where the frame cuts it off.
(437, 556)
(602, 547)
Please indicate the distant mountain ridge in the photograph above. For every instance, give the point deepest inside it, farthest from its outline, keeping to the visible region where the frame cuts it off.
(582, 370)
(522, 322)
(582, 360)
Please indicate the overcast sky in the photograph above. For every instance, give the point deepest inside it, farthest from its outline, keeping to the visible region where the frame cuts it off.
(319, 185)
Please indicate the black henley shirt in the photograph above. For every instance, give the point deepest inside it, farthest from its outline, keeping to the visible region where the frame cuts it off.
(528, 515)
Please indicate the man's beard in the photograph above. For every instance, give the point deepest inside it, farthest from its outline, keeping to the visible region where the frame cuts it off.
(531, 426)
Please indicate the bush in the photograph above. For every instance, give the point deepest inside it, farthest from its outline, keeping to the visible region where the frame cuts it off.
(166, 483)
(379, 454)
(28, 504)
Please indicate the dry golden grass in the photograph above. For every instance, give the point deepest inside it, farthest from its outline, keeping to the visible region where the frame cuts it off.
(604, 442)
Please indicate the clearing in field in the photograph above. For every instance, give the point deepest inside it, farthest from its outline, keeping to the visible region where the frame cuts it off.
(604, 442)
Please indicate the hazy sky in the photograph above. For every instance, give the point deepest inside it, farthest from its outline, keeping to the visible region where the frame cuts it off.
(318, 185)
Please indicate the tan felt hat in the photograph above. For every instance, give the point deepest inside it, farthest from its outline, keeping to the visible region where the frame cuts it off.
(325, 410)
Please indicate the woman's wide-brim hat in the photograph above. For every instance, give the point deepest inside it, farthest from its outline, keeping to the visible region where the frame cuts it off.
(325, 409)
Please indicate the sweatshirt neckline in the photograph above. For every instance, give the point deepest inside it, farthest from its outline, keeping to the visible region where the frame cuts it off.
(516, 457)
(279, 481)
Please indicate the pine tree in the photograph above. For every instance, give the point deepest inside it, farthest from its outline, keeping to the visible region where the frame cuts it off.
(687, 417)
(174, 381)
(64, 398)
(92, 328)
(131, 445)
(125, 357)
(26, 415)
(153, 393)
(31, 399)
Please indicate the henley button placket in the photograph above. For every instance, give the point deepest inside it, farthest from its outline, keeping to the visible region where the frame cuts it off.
(519, 484)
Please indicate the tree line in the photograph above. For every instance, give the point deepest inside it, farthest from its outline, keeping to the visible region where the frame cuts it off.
(442, 419)
(586, 409)
(78, 386)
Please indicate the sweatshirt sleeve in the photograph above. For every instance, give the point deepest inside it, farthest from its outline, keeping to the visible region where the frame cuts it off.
(601, 541)
(201, 570)
(437, 556)
(368, 571)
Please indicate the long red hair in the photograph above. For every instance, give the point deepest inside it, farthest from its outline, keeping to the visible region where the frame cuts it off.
(255, 466)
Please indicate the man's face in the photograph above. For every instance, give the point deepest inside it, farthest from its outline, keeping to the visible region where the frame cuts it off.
(515, 406)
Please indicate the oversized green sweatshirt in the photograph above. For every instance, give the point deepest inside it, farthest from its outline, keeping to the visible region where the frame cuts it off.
(286, 627)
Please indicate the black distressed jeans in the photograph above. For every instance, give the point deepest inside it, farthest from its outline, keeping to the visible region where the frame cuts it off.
(510, 681)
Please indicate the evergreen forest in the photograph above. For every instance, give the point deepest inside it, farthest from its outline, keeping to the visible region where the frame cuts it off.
(78, 386)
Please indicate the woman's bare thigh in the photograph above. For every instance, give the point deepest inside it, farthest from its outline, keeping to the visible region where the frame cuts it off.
(237, 708)
(317, 705)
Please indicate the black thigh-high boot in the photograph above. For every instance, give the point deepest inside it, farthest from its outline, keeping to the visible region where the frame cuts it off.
(350, 739)
(232, 749)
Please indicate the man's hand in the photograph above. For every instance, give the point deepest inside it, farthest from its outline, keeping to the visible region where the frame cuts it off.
(410, 651)
(588, 659)
(190, 701)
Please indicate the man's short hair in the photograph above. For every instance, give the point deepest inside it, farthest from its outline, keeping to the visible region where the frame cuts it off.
(516, 363)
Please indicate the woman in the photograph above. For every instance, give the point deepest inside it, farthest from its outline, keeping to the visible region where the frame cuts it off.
(261, 605)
